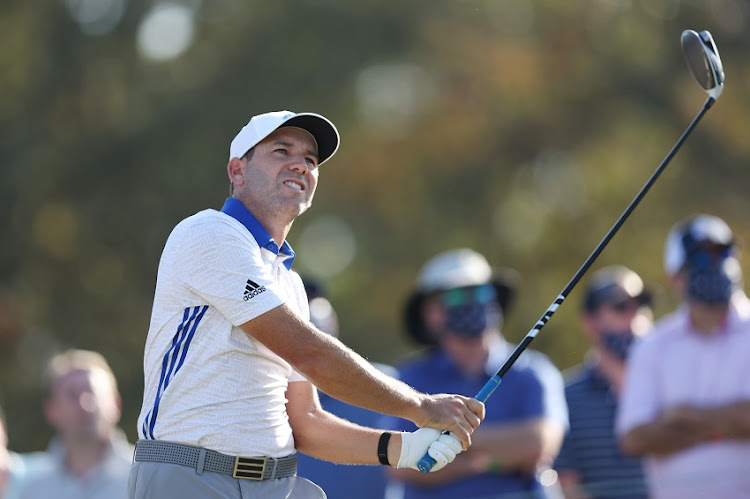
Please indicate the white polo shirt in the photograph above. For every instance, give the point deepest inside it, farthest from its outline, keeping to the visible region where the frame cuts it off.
(207, 383)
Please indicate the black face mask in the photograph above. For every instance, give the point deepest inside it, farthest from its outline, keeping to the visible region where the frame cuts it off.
(618, 343)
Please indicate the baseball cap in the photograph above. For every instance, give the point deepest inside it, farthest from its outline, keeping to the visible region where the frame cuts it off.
(614, 285)
(261, 126)
(700, 228)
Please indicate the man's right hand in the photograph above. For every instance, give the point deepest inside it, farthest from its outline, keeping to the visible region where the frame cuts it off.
(454, 413)
(442, 447)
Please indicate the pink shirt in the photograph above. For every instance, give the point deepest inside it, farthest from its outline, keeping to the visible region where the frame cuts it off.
(673, 365)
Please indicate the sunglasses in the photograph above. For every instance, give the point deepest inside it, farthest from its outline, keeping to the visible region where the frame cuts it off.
(468, 295)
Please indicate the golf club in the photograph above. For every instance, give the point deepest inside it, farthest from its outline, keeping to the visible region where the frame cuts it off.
(705, 65)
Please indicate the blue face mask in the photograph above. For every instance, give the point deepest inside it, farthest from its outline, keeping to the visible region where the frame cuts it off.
(471, 310)
(618, 343)
(712, 277)
(471, 320)
(711, 286)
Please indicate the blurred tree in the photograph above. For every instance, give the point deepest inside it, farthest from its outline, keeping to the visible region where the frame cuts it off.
(521, 129)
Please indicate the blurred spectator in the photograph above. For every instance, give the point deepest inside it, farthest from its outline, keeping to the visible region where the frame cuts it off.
(10, 464)
(616, 310)
(457, 309)
(15, 467)
(322, 314)
(89, 456)
(5, 465)
(338, 480)
(685, 403)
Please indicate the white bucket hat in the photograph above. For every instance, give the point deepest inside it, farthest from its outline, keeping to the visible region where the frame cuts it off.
(451, 269)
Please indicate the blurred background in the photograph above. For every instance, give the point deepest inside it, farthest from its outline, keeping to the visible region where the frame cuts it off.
(521, 129)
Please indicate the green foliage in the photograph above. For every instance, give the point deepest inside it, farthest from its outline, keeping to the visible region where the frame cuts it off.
(538, 122)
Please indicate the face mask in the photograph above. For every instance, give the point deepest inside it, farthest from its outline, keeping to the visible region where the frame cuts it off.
(470, 310)
(713, 281)
(710, 286)
(471, 320)
(618, 342)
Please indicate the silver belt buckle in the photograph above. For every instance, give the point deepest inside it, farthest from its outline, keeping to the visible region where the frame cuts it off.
(249, 468)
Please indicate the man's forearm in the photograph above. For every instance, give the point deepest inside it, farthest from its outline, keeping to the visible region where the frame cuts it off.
(682, 427)
(519, 446)
(732, 421)
(343, 374)
(659, 439)
(326, 436)
(340, 372)
(332, 366)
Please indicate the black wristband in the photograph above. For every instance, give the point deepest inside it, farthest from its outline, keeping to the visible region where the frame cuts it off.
(383, 448)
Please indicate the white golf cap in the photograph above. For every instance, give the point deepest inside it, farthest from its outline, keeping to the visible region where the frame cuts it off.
(698, 228)
(454, 269)
(261, 126)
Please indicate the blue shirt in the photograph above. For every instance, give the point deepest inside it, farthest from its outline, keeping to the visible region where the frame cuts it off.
(590, 447)
(22, 467)
(532, 388)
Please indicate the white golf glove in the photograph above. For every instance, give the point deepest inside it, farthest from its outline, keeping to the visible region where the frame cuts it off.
(443, 448)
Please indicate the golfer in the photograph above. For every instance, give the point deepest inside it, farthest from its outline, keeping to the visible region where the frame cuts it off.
(232, 362)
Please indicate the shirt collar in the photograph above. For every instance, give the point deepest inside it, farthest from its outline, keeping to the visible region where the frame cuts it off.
(235, 209)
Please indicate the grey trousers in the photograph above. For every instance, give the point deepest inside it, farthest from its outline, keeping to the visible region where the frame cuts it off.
(172, 481)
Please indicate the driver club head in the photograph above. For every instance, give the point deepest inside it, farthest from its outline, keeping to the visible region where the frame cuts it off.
(703, 61)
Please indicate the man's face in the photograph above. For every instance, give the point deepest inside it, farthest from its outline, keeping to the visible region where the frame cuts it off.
(282, 174)
(712, 273)
(627, 319)
(463, 320)
(83, 404)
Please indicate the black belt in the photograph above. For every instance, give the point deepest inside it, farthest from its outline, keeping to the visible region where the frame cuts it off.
(248, 468)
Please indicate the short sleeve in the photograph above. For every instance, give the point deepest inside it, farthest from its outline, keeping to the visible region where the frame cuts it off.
(222, 263)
